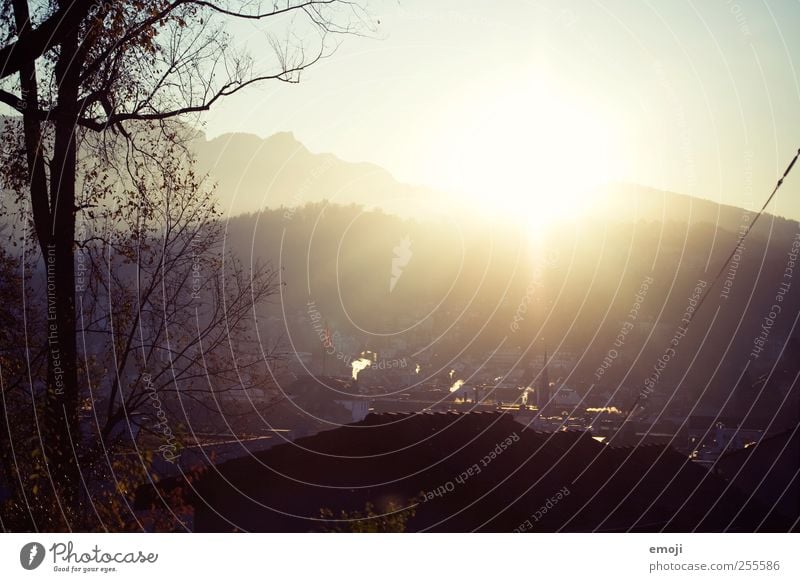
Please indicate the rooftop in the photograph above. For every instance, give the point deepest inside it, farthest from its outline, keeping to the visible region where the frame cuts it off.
(397, 459)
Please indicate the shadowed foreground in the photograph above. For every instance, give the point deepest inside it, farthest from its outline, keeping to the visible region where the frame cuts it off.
(483, 471)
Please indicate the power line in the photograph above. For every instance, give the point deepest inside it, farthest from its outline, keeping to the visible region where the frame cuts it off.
(741, 239)
(744, 236)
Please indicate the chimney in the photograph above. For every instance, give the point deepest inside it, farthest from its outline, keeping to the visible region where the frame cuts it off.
(543, 394)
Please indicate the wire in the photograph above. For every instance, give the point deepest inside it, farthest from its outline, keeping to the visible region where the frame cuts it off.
(721, 270)
(743, 236)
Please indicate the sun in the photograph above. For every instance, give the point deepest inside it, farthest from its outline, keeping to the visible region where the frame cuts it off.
(531, 155)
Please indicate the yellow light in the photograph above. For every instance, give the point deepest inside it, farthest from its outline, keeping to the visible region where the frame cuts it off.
(531, 154)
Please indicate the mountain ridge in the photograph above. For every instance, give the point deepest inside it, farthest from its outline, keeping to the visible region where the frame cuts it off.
(296, 177)
(253, 173)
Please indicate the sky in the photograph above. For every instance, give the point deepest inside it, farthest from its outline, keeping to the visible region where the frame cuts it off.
(694, 97)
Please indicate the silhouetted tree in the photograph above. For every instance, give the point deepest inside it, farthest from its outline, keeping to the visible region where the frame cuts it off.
(84, 75)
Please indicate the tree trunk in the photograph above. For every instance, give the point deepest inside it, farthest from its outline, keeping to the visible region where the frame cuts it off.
(62, 400)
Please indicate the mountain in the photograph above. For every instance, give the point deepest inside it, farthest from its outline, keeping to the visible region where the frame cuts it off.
(253, 173)
(633, 202)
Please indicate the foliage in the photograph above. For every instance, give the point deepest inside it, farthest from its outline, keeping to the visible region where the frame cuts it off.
(392, 519)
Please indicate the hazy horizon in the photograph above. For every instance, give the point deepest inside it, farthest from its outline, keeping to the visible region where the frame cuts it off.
(694, 99)
(449, 194)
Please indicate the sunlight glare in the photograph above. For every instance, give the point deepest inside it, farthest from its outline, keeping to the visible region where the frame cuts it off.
(531, 155)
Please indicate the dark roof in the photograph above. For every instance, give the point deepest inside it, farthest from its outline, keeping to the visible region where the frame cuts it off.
(397, 457)
(769, 471)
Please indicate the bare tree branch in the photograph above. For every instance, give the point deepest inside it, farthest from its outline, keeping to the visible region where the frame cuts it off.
(35, 42)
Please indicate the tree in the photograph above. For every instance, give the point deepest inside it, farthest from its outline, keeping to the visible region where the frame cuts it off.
(15, 421)
(393, 518)
(85, 73)
(161, 310)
